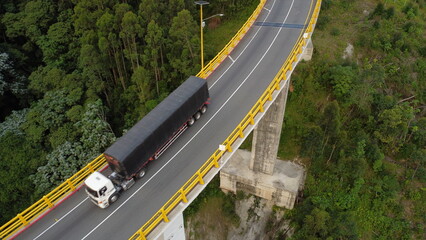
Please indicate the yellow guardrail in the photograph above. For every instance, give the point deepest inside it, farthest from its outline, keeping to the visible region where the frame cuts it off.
(238, 132)
(218, 59)
(60, 193)
(50, 200)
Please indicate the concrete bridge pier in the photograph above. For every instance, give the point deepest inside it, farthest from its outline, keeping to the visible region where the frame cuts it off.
(259, 172)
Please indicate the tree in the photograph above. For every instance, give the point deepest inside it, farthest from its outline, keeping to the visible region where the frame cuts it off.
(153, 52)
(393, 125)
(45, 79)
(96, 133)
(13, 86)
(94, 70)
(173, 7)
(130, 29)
(343, 79)
(330, 124)
(419, 159)
(38, 15)
(418, 133)
(18, 159)
(141, 79)
(312, 142)
(48, 115)
(55, 44)
(13, 123)
(69, 157)
(317, 224)
(149, 10)
(184, 46)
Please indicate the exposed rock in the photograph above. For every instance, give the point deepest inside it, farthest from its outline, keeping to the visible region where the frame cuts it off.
(349, 51)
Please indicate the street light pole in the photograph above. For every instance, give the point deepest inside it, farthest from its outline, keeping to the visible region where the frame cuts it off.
(201, 3)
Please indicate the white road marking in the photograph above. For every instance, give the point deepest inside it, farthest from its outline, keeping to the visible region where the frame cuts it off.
(273, 41)
(195, 133)
(244, 49)
(231, 58)
(266, 9)
(61, 218)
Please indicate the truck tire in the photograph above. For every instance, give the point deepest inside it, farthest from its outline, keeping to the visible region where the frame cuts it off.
(113, 198)
(141, 173)
(191, 121)
(203, 109)
(197, 116)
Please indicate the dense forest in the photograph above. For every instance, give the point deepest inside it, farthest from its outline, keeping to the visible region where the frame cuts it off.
(75, 74)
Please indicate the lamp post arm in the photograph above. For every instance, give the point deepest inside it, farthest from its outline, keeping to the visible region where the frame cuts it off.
(216, 15)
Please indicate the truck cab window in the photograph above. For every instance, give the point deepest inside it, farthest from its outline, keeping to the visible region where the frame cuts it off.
(102, 191)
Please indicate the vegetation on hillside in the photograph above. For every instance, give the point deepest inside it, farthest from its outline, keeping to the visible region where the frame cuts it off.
(76, 74)
(359, 121)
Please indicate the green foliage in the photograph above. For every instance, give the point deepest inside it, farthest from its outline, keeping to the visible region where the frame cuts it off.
(185, 46)
(211, 191)
(13, 86)
(311, 146)
(18, 159)
(94, 135)
(10, 80)
(393, 126)
(364, 147)
(343, 79)
(48, 115)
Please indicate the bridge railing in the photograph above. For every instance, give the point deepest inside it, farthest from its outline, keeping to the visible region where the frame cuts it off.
(218, 59)
(63, 191)
(50, 200)
(60, 193)
(238, 132)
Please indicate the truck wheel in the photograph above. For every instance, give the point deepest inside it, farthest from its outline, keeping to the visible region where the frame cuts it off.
(197, 116)
(191, 121)
(203, 109)
(113, 198)
(141, 173)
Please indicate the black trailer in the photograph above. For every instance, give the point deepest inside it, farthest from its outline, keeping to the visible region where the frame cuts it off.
(129, 154)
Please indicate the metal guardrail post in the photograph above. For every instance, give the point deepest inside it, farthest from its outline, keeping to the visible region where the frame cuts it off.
(22, 219)
(164, 215)
(184, 199)
(47, 201)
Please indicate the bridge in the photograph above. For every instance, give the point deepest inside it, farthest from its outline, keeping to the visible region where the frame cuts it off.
(243, 79)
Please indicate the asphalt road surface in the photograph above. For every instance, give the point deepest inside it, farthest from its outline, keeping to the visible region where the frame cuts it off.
(235, 86)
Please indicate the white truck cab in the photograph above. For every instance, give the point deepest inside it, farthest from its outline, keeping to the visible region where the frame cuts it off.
(101, 190)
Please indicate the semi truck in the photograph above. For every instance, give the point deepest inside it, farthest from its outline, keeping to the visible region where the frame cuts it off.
(130, 155)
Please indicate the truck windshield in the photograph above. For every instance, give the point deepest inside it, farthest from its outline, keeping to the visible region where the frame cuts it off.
(92, 192)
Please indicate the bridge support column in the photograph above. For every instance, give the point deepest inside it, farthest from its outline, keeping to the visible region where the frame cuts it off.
(259, 172)
(266, 136)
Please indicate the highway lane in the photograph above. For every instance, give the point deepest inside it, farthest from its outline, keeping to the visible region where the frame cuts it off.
(234, 88)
